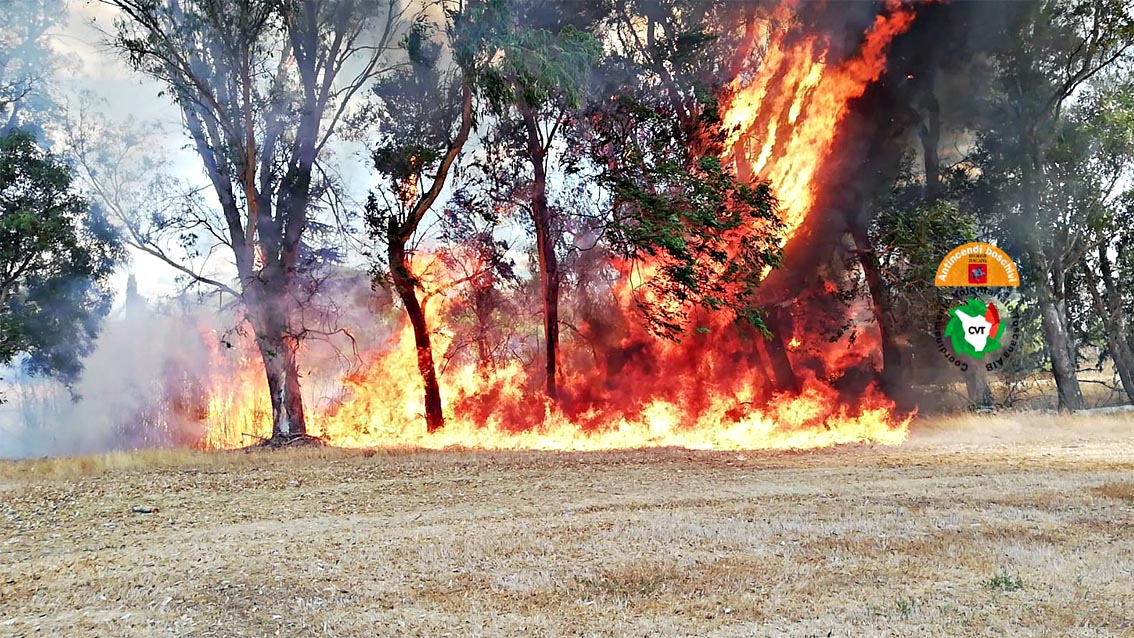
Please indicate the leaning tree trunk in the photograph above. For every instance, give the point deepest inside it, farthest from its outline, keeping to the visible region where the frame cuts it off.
(1119, 328)
(399, 231)
(545, 246)
(1063, 366)
(405, 284)
(780, 323)
(880, 301)
(1119, 353)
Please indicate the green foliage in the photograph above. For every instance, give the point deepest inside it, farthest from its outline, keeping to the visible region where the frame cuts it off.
(534, 66)
(910, 235)
(1033, 150)
(418, 106)
(56, 256)
(423, 123)
(677, 206)
(1003, 581)
(913, 235)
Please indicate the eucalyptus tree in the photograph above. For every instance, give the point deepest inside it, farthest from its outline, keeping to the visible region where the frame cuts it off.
(1094, 164)
(428, 116)
(1056, 47)
(263, 87)
(534, 87)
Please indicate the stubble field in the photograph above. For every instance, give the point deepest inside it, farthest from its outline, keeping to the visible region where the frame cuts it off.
(1020, 526)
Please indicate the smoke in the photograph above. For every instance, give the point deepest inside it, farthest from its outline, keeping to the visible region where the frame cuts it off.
(161, 373)
(139, 359)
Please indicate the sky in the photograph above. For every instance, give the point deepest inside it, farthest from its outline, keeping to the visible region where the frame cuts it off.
(93, 66)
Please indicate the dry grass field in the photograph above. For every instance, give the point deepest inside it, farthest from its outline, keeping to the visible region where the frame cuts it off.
(1020, 526)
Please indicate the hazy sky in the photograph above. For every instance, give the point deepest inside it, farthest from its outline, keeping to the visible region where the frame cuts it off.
(92, 65)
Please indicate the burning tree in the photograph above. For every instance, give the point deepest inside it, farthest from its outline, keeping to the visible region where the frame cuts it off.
(733, 177)
(534, 86)
(427, 118)
(702, 238)
(263, 87)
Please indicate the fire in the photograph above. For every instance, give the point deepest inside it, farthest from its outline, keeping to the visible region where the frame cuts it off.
(622, 387)
(781, 123)
(238, 398)
(383, 409)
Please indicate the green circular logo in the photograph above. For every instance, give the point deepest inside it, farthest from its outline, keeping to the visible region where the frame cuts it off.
(974, 328)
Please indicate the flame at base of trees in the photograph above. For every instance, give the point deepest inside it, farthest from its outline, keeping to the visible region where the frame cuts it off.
(624, 388)
(382, 407)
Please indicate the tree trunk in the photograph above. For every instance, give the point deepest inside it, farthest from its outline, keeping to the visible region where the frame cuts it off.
(930, 135)
(399, 231)
(288, 419)
(880, 301)
(482, 309)
(549, 277)
(780, 323)
(1117, 310)
(1063, 365)
(545, 245)
(406, 286)
(976, 384)
(1119, 353)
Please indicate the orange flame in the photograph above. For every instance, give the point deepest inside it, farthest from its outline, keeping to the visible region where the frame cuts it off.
(782, 123)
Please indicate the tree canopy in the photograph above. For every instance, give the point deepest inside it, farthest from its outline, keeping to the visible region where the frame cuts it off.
(57, 253)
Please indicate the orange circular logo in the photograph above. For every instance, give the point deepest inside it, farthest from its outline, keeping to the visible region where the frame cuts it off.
(977, 264)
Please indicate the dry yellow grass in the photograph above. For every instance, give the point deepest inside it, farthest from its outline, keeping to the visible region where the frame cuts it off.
(1123, 490)
(1015, 526)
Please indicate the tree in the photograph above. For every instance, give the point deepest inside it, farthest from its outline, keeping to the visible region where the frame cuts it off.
(908, 235)
(709, 236)
(681, 49)
(57, 253)
(534, 87)
(126, 167)
(263, 86)
(656, 143)
(1059, 45)
(428, 116)
(27, 60)
(1094, 161)
(482, 312)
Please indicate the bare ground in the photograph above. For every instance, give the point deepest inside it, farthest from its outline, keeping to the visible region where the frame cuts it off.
(977, 527)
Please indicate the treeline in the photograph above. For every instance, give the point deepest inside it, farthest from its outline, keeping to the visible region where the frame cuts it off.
(596, 128)
(1010, 124)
